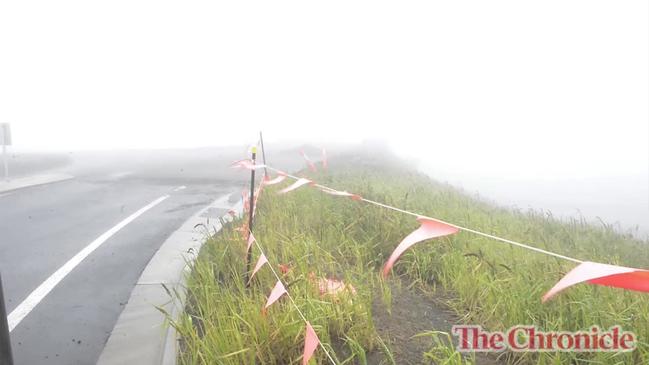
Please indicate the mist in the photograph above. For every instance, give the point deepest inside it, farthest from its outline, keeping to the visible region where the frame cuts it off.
(531, 105)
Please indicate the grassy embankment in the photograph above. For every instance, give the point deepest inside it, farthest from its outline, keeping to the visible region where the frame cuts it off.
(480, 280)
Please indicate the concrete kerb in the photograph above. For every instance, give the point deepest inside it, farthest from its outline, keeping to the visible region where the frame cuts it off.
(29, 181)
(141, 334)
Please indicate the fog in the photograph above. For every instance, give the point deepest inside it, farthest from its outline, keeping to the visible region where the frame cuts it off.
(542, 105)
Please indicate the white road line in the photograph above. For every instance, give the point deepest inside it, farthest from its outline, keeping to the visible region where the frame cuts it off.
(180, 188)
(24, 308)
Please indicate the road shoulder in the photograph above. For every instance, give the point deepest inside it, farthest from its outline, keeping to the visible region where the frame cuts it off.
(141, 335)
(35, 180)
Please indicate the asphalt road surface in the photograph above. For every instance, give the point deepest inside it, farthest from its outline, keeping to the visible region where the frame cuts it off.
(51, 230)
(72, 251)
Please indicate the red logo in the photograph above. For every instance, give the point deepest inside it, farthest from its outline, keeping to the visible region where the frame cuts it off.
(524, 338)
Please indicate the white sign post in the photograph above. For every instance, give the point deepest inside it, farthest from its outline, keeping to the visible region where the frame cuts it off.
(5, 140)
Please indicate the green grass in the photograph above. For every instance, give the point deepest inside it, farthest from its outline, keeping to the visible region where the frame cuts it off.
(490, 283)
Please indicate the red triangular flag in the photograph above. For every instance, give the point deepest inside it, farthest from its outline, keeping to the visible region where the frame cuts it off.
(239, 163)
(311, 343)
(429, 228)
(246, 164)
(602, 274)
(276, 180)
(325, 164)
(309, 162)
(334, 287)
(275, 294)
(257, 194)
(260, 262)
(251, 239)
(295, 185)
(342, 193)
(246, 201)
(243, 230)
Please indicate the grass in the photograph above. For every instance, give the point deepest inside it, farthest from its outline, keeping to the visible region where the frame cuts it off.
(483, 281)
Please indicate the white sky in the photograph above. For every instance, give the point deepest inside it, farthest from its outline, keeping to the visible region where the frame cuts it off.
(482, 87)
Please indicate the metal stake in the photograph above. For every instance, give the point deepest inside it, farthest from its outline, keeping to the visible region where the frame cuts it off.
(263, 153)
(5, 341)
(251, 209)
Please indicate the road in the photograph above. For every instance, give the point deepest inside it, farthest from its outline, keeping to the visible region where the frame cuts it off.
(44, 227)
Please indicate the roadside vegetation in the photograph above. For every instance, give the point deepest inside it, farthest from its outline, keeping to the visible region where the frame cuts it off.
(461, 279)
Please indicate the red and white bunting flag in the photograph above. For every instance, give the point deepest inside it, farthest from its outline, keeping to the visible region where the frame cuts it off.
(243, 230)
(260, 262)
(325, 164)
(246, 201)
(276, 180)
(602, 274)
(311, 343)
(255, 167)
(275, 294)
(334, 287)
(246, 164)
(257, 194)
(295, 185)
(309, 162)
(342, 193)
(429, 228)
(238, 163)
(251, 240)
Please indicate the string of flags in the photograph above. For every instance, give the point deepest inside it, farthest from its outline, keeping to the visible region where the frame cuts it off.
(326, 286)
(430, 228)
(311, 340)
(586, 272)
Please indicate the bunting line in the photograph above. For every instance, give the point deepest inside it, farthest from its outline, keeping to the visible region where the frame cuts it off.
(501, 239)
(590, 272)
(279, 282)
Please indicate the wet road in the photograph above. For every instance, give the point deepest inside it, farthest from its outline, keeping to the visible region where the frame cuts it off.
(119, 220)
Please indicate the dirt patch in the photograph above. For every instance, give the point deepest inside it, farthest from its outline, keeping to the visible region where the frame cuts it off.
(413, 312)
